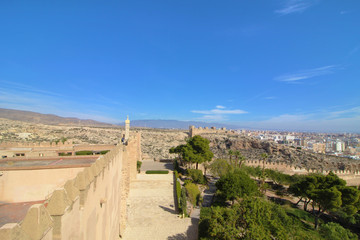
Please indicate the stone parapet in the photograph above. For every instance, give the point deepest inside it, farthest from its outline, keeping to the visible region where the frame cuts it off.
(90, 206)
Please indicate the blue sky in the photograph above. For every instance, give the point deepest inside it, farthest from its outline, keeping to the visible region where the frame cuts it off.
(270, 64)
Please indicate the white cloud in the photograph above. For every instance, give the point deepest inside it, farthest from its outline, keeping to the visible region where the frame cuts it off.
(270, 98)
(306, 74)
(217, 114)
(219, 111)
(294, 6)
(345, 120)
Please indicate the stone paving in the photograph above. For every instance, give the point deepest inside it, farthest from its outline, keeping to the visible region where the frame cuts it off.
(151, 209)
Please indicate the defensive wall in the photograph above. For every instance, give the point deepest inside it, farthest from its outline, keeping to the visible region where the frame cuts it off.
(196, 131)
(352, 177)
(91, 205)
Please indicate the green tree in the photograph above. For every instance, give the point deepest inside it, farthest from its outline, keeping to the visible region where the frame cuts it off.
(350, 197)
(236, 184)
(325, 199)
(326, 193)
(252, 218)
(264, 156)
(183, 202)
(196, 150)
(220, 167)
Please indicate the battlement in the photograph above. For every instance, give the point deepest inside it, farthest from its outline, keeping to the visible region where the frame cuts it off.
(351, 176)
(196, 131)
(90, 206)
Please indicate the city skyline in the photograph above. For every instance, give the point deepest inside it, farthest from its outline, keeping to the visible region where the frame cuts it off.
(285, 65)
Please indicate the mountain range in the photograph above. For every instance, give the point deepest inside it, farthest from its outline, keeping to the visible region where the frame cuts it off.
(51, 119)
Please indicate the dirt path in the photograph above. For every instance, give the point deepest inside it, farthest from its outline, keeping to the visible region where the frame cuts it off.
(151, 210)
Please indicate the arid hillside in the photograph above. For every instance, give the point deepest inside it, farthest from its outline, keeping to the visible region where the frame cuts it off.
(156, 143)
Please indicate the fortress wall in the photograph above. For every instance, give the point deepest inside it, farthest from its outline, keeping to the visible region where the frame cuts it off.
(197, 131)
(351, 177)
(90, 206)
(33, 185)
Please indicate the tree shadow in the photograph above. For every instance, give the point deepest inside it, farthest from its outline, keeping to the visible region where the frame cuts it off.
(170, 210)
(191, 232)
(169, 166)
(180, 236)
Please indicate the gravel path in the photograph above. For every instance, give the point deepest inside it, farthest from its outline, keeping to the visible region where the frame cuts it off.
(151, 210)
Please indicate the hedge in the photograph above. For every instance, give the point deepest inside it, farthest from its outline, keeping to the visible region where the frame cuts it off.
(178, 190)
(84, 153)
(157, 172)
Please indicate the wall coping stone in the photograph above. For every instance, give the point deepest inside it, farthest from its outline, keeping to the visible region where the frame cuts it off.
(37, 222)
(58, 202)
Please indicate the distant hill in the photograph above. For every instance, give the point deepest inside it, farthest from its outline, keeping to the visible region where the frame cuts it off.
(49, 119)
(174, 124)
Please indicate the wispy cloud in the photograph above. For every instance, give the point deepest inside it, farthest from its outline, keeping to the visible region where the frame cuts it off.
(26, 97)
(219, 113)
(294, 6)
(306, 74)
(270, 98)
(354, 50)
(341, 120)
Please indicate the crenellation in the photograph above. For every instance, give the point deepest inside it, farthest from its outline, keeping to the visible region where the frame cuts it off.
(200, 130)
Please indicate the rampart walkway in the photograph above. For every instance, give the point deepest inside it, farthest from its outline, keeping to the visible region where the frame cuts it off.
(151, 210)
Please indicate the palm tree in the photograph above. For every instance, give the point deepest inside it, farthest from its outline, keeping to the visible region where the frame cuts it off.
(230, 155)
(242, 159)
(264, 156)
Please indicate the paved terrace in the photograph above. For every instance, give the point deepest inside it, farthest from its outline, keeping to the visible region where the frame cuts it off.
(47, 163)
(151, 209)
(14, 211)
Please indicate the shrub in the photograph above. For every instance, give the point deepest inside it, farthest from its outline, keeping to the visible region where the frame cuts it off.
(157, 172)
(138, 165)
(65, 154)
(104, 152)
(334, 231)
(193, 193)
(197, 176)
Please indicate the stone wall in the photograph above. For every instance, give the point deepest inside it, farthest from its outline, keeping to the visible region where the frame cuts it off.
(90, 206)
(213, 130)
(352, 177)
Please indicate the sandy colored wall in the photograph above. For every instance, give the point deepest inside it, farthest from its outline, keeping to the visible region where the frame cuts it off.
(33, 185)
(90, 206)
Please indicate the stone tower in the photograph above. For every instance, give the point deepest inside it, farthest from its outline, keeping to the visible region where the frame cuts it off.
(127, 128)
(191, 131)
